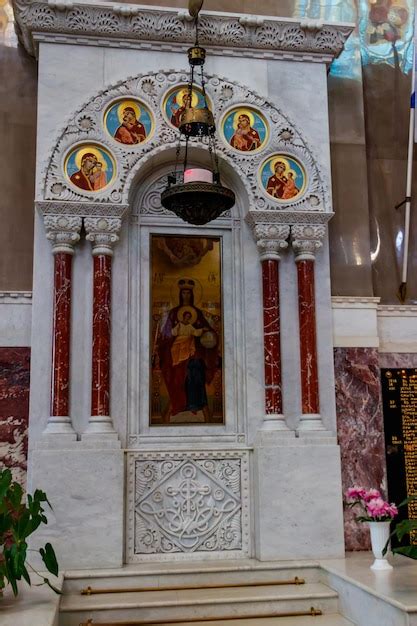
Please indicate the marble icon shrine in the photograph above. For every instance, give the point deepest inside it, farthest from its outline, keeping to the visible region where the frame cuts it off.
(194, 412)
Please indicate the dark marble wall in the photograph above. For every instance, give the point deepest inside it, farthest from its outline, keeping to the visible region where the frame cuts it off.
(14, 409)
(18, 88)
(360, 430)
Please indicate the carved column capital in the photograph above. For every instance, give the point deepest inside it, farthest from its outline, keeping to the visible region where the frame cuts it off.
(306, 239)
(103, 232)
(271, 239)
(63, 231)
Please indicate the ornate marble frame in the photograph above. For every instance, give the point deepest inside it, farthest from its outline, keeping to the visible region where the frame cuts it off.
(87, 126)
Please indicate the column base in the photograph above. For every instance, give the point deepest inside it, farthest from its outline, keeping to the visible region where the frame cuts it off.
(310, 422)
(60, 425)
(100, 429)
(275, 422)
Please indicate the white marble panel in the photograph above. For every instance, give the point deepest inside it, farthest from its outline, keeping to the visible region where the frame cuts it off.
(298, 501)
(68, 77)
(15, 318)
(397, 328)
(85, 489)
(355, 322)
(300, 91)
(41, 337)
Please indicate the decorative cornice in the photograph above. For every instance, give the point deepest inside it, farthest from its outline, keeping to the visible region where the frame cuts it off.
(306, 239)
(355, 302)
(82, 209)
(15, 297)
(130, 25)
(63, 231)
(397, 310)
(103, 232)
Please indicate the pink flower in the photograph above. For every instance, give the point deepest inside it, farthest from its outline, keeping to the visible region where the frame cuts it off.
(377, 508)
(355, 493)
(371, 495)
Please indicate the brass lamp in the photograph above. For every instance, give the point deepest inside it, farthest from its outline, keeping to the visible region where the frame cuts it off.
(196, 195)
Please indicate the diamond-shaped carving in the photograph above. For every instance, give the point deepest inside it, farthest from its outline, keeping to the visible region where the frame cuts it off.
(188, 505)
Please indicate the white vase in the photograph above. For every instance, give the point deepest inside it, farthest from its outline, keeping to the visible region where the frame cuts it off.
(380, 532)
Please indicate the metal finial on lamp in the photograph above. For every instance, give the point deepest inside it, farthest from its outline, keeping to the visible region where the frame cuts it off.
(198, 197)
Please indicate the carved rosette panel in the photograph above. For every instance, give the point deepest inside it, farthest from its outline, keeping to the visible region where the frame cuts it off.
(87, 125)
(188, 503)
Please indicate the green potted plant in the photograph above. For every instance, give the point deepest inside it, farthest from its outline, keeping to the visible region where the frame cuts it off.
(18, 520)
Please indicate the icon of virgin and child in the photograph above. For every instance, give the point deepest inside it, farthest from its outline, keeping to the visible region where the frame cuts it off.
(282, 183)
(188, 355)
(245, 137)
(91, 175)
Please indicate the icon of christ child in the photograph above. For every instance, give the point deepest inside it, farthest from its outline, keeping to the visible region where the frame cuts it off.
(131, 131)
(245, 138)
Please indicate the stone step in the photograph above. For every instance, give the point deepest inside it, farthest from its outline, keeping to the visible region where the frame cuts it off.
(183, 575)
(201, 604)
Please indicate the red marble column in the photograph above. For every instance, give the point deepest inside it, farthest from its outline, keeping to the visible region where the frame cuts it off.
(100, 389)
(308, 343)
(103, 234)
(272, 346)
(63, 231)
(306, 240)
(61, 334)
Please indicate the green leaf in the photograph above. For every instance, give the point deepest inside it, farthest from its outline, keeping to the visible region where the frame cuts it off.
(410, 551)
(5, 481)
(25, 575)
(49, 558)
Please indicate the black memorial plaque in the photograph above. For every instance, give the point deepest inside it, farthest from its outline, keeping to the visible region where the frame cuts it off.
(399, 400)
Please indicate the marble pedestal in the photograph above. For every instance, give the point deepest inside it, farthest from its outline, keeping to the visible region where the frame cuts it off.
(85, 489)
(298, 502)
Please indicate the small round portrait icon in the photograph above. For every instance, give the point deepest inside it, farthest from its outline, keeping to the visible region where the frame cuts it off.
(283, 177)
(129, 122)
(245, 129)
(90, 167)
(179, 99)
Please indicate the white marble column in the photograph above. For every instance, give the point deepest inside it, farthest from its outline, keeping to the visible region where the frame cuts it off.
(63, 231)
(103, 232)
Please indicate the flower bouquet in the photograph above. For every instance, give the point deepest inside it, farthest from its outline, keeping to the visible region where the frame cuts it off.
(379, 514)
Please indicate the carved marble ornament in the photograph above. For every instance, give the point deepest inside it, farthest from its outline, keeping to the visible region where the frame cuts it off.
(147, 27)
(87, 126)
(188, 503)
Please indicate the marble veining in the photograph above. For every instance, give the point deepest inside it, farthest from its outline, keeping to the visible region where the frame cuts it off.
(360, 430)
(61, 334)
(272, 348)
(14, 409)
(308, 342)
(100, 394)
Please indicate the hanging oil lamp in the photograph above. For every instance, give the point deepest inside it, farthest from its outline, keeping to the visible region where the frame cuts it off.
(196, 195)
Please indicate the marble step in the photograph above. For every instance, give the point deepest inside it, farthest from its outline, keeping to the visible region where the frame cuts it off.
(169, 575)
(202, 604)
